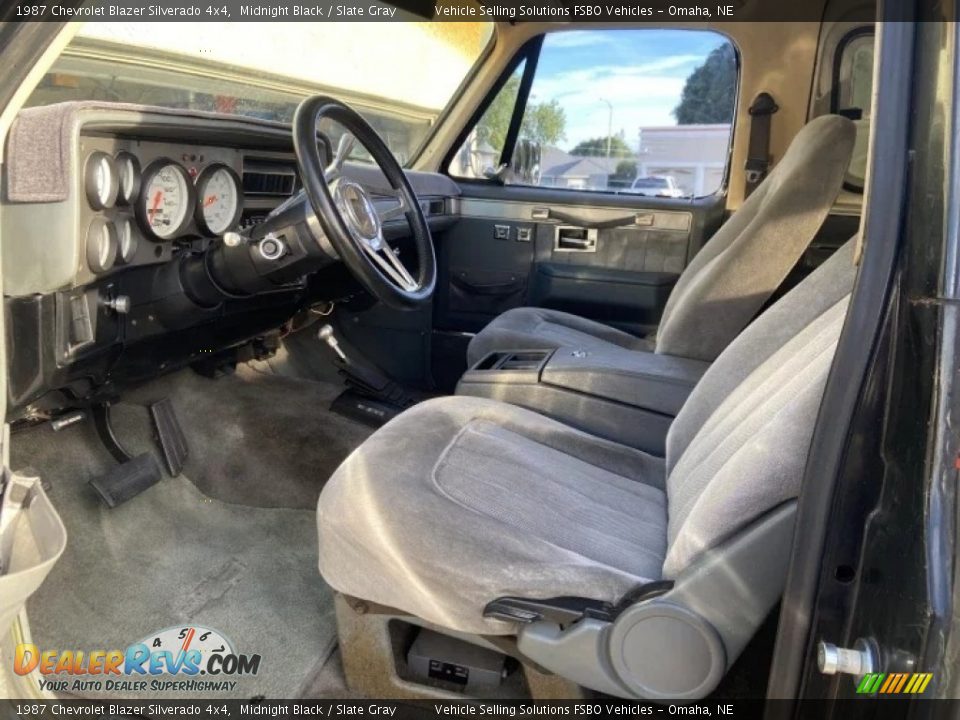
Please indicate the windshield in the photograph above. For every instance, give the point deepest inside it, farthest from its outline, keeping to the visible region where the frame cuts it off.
(399, 76)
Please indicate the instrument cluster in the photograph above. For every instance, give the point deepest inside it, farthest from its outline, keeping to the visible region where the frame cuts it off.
(159, 201)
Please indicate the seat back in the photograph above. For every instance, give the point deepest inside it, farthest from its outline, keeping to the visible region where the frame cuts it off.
(738, 447)
(728, 281)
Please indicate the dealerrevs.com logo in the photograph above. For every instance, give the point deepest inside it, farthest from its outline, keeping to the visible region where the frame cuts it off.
(176, 659)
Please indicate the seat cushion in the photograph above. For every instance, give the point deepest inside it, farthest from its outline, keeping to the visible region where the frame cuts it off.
(529, 328)
(459, 501)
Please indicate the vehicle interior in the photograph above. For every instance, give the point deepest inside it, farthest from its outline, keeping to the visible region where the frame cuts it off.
(433, 400)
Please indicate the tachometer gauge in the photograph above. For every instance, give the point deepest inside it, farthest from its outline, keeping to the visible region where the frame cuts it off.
(219, 199)
(101, 245)
(100, 180)
(166, 201)
(126, 240)
(128, 170)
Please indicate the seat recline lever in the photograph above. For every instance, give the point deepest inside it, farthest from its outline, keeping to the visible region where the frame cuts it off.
(568, 610)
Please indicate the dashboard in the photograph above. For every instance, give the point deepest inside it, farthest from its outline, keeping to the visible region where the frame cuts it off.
(102, 205)
(141, 198)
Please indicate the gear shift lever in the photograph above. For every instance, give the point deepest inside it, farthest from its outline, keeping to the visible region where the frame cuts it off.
(358, 371)
(326, 334)
(366, 380)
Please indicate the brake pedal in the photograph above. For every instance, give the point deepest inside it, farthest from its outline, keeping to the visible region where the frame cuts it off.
(173, 442)
(127, 480)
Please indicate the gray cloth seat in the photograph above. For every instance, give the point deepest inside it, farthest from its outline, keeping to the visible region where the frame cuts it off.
(459, 501)
(730, 278)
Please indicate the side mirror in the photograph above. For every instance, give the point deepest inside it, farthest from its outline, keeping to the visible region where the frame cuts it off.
(526, 162)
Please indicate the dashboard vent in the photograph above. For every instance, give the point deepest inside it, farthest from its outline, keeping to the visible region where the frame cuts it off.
(268, 178)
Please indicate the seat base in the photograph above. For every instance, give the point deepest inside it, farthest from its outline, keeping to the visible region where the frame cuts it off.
(373, 639)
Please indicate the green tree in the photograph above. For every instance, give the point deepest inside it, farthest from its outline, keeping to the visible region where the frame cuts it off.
(626, 170)
(597, 147)
(544, 122)
(709, 92)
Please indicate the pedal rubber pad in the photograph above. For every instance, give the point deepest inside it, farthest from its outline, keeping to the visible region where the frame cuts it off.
(127, 480)
(173, 442)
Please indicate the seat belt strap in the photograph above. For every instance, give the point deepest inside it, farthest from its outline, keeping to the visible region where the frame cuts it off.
(758, 154)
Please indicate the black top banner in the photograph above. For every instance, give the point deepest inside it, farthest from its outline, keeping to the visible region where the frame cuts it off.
(653, 11)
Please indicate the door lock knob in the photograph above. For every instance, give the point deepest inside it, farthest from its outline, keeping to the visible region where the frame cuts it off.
(859, 660)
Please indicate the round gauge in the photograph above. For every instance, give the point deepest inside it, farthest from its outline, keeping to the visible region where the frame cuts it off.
(219, 199)
(128, 171)
(165, 205)
(202, 641)
(101, 245)
(100, 180)
(126, 240)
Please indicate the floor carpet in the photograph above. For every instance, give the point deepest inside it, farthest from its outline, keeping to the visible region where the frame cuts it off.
(255, 438)
(239, 557)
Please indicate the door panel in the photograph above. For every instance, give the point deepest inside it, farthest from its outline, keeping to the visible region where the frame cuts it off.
(483, 271)
(612, 258)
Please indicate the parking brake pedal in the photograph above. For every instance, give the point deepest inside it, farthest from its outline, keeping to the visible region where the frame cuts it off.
(173, 442)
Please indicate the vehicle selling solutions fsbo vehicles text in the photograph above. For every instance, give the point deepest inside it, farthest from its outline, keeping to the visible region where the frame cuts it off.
(492, 10)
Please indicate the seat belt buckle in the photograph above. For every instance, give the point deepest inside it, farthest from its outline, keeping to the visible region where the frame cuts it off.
(756, 170)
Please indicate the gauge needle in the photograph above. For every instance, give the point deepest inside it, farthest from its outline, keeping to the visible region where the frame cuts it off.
(186, 642)
(210, 201)
(158, 196)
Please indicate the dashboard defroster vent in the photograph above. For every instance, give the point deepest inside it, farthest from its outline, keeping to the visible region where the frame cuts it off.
(268, 178)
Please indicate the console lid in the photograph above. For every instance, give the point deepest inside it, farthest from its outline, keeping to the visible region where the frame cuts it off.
(660, 383)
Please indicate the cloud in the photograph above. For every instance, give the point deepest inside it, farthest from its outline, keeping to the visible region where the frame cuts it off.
(642, 95)
(579, 38)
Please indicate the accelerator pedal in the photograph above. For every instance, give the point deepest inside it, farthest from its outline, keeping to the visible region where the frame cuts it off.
(173, 442)
(127, 480)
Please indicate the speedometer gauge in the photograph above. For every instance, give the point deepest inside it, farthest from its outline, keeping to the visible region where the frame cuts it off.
(100, 180)
(166, 200)
(219, 199)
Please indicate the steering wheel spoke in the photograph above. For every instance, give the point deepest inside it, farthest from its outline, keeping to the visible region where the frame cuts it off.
(397, 209)
(388, 260)
(335, 169)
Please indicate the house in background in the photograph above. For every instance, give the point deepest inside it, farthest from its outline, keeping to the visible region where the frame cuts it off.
(576, 172)
(695, 156)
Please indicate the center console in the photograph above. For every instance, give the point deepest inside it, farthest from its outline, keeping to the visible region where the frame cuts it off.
(626, 396)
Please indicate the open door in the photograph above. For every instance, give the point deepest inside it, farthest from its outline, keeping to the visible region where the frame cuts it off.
(32, 536)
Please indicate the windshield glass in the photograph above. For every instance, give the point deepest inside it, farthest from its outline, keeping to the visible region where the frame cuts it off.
(398, 75)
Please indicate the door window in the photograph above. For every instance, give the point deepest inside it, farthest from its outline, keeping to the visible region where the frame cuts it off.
(852, 96)
(647, 112)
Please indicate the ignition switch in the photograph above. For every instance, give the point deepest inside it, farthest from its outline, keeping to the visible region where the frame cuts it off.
(120, 304)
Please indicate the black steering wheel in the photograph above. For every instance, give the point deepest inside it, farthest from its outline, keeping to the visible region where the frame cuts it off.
(349, 216)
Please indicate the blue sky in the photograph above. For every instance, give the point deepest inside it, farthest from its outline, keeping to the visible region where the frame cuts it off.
(640, 72)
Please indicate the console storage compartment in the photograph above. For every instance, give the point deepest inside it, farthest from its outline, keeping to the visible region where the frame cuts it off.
(626, 396)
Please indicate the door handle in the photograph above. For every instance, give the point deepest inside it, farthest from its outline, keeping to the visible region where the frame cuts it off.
(575, 239)
(642, 219)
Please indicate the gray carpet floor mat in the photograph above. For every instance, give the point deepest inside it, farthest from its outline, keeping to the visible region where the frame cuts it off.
(174, 556)
(255, 439)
